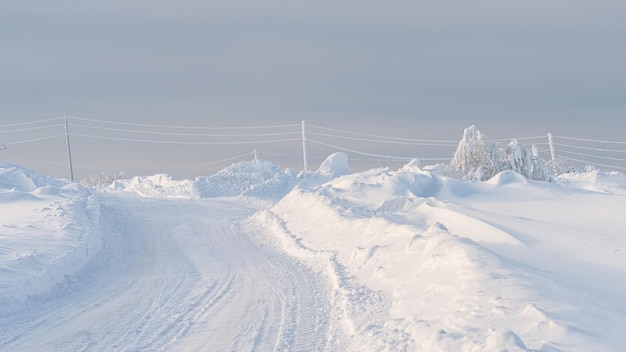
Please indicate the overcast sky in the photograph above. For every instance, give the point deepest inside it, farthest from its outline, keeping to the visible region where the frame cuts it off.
(425, 67)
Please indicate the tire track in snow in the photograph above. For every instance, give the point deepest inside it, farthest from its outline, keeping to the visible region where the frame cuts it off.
(177, 275)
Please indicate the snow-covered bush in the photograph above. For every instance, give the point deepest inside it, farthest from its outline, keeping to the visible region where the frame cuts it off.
(539, 171)
(478, 158)
(560, 166)
(103, 179)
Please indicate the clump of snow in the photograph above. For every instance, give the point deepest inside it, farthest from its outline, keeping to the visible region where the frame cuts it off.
(48, 230)
(479, 158)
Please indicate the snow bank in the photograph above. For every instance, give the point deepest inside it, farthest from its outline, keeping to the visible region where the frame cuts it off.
(159, 185)
(48, 229)
(249, 178)
(595, 180)
(15, 178)
(257, 178)
(437, 264)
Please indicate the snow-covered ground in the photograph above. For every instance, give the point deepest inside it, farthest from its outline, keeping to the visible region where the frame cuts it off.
(47, 231)
(257, 258)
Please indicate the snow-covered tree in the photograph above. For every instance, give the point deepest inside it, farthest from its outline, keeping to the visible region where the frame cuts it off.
(518, 158)
(539, 171)
(478, 158)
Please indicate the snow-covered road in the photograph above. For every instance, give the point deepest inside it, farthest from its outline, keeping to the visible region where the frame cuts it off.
(177, 275)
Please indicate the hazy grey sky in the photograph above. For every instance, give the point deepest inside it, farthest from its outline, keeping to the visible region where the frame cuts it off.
(534, 66)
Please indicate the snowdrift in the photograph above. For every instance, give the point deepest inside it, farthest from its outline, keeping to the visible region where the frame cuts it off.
(249, 178)
(48, 229)
(422, 261)
(258, 178)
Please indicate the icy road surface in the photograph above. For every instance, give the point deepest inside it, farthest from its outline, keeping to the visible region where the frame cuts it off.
(177, 275)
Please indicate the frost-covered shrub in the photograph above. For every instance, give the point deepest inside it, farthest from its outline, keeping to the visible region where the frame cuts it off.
(103, 179)
(539, 171)
(560, 166)
(478, 158)
(518, 158)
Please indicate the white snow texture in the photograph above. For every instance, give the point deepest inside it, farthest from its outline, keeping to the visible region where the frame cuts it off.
(255, 257)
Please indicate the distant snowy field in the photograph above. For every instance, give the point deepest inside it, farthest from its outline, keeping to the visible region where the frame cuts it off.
(413, 259)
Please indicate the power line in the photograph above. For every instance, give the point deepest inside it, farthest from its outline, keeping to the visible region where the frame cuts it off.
(269, 134)
(260, 136)
(389, 157)
(37, 139)
(186, 143)
(31, 122)
(213, 162)
(519, 139)
(596, 164)
(592, 156)
(3, 148)
(178, 167)
(590, 148)
(384, 137)
(30, 128)
(382, 141)
(281, 154)
(184, 127)
(590, 140)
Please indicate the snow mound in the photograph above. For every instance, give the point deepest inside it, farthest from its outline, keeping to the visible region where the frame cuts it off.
(442, 262)
(48, 230)
(16, 178)
(256, 178)
(159, 185)
(334, 166)
(597, 181)
(507, 178)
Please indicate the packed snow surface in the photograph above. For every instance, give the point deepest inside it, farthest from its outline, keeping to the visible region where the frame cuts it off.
(259, 258)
